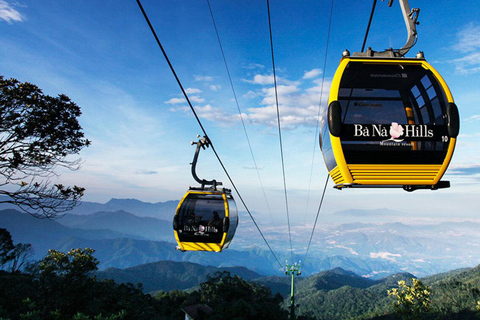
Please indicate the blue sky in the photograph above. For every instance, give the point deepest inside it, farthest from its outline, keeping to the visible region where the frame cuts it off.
(103, 56)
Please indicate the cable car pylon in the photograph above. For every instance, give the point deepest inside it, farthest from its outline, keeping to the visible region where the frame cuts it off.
(292, 270)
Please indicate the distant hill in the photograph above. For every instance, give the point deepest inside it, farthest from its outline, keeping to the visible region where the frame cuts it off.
(160, 210)
(117, 249)
(370, 249)
(337, 278)
(339, 294)
(169, 275)
(123, 222)
(335, 294)
(45, 234)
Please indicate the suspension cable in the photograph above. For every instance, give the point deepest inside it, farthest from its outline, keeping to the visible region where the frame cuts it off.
(317, 130)
(239, 111)
(319, 107)
(203, 129)
(369, 23)
(316, 219)
(279, 128)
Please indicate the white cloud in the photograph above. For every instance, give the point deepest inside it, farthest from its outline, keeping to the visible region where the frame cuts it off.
(469, 64)
(297, 106)
(203, 78)
(175, 101)
(217, 115)
(475, 117)
(251, 94)
(192, 90)
(468, 42)
(214, 87)
(268, 80)
(183, 100)
(254, 66)
(312, 73)
(9, 14)
(468, 38)
(196, 99)
(261, 79)
(385, 255)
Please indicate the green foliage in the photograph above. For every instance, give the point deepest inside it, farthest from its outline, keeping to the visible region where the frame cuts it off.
(231, 297)
(37, 134)
(75, 264)
(61, 287)
(411, 301)
(6, 246)
(13, 257)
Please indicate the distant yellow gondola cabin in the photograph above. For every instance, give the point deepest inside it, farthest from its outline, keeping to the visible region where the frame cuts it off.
(205, 220)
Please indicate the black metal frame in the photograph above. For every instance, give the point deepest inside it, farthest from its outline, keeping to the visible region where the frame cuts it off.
(201, 144)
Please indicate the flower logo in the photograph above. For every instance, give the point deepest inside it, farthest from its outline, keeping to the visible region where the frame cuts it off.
(396, 130)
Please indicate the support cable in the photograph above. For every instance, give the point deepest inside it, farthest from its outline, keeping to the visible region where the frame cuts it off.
(279, 128)
(319, 107)
(238, 108)
(316, 219)
(369, 23)
(203, 129)
(317, 131)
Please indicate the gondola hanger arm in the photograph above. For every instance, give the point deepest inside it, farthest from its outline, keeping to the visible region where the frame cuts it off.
(410, 17)
(203, 142)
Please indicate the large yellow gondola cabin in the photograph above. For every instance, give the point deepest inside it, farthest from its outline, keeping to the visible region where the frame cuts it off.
(390, 122)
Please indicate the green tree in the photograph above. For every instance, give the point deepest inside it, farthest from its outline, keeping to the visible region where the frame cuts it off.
(65, 281)
(76, 264)
(411, 301)
(21, 253)
(6, 246)
(38, 133)
(61, 286)
(13, 257)
(231, 297)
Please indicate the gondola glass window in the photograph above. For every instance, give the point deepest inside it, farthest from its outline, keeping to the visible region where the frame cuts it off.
(380, 103)
(201, 217)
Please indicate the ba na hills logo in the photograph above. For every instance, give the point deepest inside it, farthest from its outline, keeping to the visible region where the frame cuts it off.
(396, 132)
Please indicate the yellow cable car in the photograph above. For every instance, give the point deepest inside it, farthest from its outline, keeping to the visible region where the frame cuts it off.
(389, 122)
(205, 220)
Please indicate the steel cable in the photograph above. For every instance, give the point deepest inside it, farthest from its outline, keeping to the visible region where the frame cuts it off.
(203, 129)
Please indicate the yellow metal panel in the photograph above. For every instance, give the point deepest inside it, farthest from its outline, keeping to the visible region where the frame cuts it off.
(448, 158)
(340, 159)
(336, 176)
(201, 246)
(415, 174)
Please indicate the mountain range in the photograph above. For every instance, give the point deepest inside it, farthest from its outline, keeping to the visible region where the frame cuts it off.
(127, 232)
(331, 294)
(170, 275)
